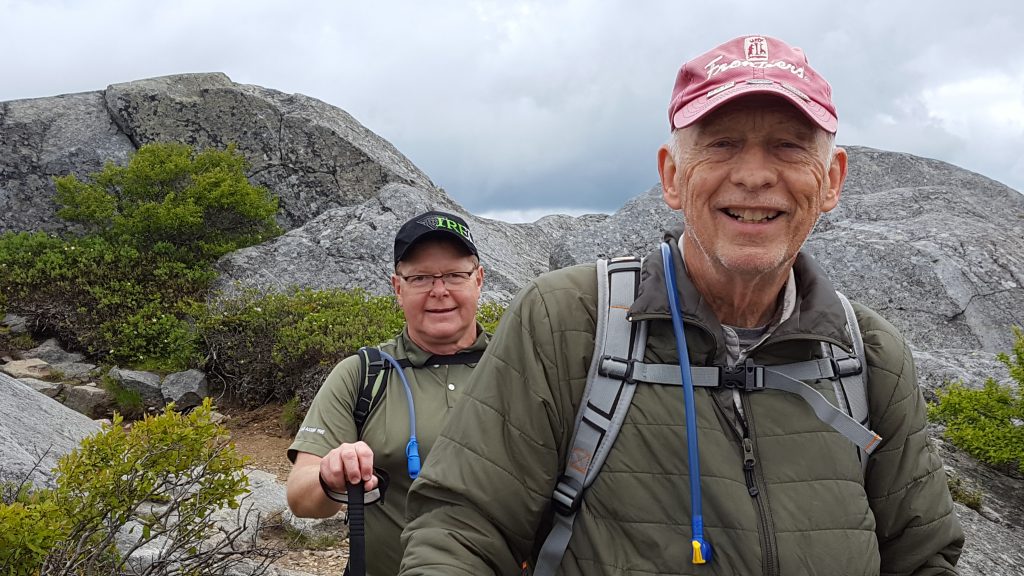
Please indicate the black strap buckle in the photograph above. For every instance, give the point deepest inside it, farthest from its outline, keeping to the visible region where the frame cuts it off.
(567, 496)
(845, 366)
(747, 376)
(618, 368)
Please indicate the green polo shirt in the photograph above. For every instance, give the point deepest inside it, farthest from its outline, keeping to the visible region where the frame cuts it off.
(329, 423)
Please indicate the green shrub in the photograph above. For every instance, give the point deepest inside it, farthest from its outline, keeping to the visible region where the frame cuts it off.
(276, 346)
(28, 532)
(184, 462)
(192, 207)
(988, 423)
(489, 314)
(266, 347)
(291, 416)
(123, 292)
(127, 402)
(9, 341)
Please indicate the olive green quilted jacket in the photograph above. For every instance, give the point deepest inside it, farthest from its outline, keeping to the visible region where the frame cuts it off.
(482, 502)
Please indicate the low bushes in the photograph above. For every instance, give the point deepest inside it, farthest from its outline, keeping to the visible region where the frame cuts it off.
(132, 290)
(270, 347)
(159, 481)
(274, 347)
(988, 423)
(124, 289)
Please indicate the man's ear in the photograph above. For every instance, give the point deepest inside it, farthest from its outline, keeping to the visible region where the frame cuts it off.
(667, 172)
(396, 285)
(836, 178)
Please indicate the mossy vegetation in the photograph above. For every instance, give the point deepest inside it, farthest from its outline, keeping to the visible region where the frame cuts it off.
(964, 493)
(128, 403)
(988, 423)
(291, 416)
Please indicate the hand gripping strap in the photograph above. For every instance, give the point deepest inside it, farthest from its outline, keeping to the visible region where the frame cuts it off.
(605, 402)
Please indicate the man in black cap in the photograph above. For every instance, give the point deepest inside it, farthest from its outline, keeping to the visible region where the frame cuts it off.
(437, 283)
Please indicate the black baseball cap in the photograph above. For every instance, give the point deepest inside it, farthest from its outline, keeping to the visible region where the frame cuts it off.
(432, 223)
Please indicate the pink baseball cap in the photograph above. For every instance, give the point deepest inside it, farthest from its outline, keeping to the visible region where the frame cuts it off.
(750, 65)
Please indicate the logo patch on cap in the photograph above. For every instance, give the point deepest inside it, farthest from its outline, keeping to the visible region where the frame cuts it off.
(442, 223)
(756, 49)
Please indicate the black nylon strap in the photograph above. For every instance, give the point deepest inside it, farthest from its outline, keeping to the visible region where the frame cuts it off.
(447, 359)
(370, 365)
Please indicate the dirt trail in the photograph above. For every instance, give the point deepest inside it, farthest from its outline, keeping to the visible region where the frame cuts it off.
(259, 436)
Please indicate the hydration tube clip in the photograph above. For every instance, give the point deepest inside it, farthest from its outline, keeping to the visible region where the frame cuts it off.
(412, 449)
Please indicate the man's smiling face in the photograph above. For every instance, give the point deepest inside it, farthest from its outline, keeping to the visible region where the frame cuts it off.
(752, 178)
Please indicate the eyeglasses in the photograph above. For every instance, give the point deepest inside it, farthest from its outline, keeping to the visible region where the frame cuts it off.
(451, 280)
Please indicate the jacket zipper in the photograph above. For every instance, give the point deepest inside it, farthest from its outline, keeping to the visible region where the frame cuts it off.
(756, 488)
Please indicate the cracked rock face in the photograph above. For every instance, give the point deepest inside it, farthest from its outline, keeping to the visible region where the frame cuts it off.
(937, 250)
(313, 156)
(353, 247)
(47, 137)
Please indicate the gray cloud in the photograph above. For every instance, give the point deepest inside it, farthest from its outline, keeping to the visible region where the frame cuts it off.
(534, 105)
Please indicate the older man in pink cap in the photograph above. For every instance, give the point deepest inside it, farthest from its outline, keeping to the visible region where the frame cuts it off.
(540, 470)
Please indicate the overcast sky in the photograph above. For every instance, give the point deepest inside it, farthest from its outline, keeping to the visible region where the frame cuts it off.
(520, 109)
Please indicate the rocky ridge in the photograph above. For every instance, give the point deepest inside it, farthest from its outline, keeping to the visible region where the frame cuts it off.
(313, 156)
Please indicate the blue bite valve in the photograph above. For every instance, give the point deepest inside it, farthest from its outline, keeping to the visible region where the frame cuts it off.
(412, 455)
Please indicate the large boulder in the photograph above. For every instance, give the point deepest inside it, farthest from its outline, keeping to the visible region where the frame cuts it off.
(88, 399)
(633, 230)
(992, 549)
(937, 250)
(312, 155)
(35, 431)
(47, 137)
(942, 366)
(186, 389)
(354, 247)
(145, 384)
(51, 352)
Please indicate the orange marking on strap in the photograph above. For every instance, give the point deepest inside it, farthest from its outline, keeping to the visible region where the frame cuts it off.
(874, 441)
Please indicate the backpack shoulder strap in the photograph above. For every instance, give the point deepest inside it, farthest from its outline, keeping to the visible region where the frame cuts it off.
(373, 378)
(605, 401)
(373, 384)
(852, 386)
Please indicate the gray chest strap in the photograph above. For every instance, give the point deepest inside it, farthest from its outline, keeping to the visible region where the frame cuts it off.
(753, 377)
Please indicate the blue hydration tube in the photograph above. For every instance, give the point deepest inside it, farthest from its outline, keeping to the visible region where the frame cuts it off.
(412, 449)
(701, 548)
